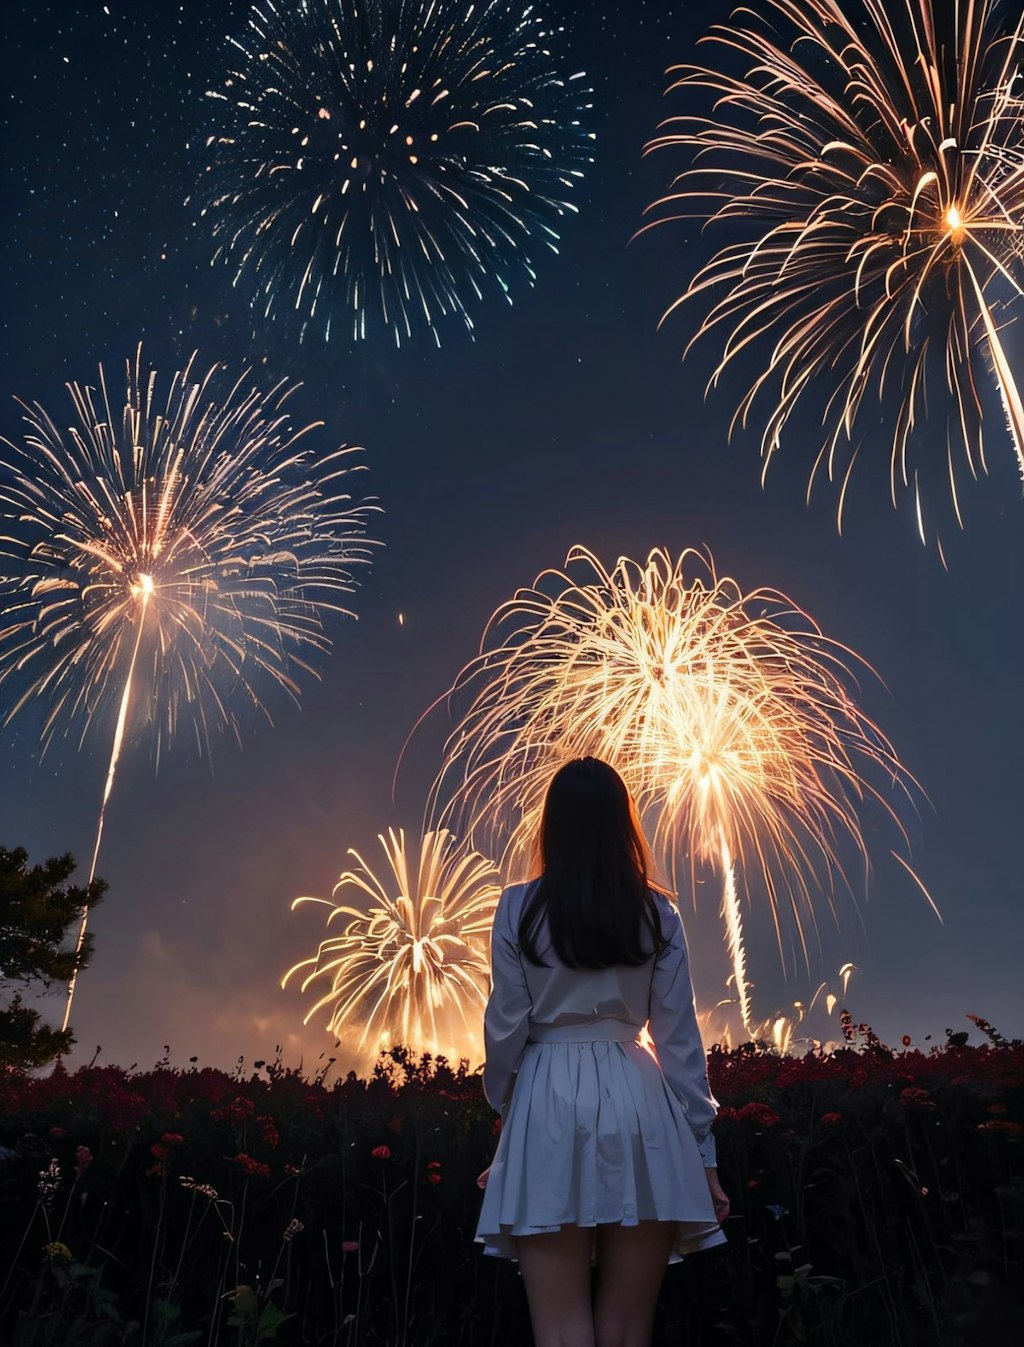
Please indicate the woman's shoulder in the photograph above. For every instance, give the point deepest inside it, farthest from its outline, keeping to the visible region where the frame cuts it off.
(667, 908)
(513, 897)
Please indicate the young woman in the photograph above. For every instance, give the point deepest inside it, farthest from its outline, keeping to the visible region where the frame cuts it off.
(606, 1154)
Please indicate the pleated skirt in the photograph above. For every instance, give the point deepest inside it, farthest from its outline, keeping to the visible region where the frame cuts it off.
(594, 1136)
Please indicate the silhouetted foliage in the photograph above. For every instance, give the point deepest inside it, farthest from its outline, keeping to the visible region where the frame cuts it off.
(37, 906)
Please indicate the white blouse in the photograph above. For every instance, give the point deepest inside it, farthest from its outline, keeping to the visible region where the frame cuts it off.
(585, 1003)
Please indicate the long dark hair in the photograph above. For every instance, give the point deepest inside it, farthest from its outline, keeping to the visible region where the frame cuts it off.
(593, 888)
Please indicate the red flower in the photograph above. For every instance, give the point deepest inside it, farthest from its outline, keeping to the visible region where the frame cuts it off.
(268, 1130)
(433, 1164)
(434, 1177)
(753, 1183)
(913, 1094)
(83, 1159)
(381, 1152)
(58, 1132)
(759, 1114)
(252, 1169)
(237, 1112)
(159, 1151)
(830, 1119)
(349, 1246)
(907, 1040)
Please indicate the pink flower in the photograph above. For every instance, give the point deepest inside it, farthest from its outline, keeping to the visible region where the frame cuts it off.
(350, 1246)
(381, 1152)
(830, 1119)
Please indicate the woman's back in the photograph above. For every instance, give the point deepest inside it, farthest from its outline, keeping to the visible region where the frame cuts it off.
(597, 1134)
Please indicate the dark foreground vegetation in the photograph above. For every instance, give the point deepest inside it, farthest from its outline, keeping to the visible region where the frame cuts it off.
(878, 1198)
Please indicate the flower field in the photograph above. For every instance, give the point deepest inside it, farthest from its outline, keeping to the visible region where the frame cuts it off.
(878, 1197)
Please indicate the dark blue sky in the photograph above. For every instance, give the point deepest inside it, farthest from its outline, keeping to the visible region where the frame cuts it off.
(570, 419)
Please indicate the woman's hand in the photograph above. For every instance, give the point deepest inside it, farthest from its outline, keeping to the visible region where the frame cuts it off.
(718, 1197)
(481, 1181)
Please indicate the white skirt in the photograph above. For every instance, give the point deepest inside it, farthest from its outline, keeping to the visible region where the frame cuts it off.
(594, 1136)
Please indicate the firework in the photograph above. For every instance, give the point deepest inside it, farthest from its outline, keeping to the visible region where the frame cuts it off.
(869, 161)
(415, 962)
(730, 716)
(172, 559)
(388, 164)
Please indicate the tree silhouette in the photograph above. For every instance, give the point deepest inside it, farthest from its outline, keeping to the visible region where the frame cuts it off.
(36, 907)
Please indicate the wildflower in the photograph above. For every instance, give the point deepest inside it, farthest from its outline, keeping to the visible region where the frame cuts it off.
(157, 1171)
(907, 1040)
(57, 1252)
(83, 1159)
(252, 1169)
(381, 1152)
(291, 1230)
(759, 1114)
(292, 1170)
(203, 1189)
(159, 1151)
(913, 1094)
(830, 1119)
(237, 1112)
(58, 1132)
(434, 1171)
(49, 1182)
(1013, 1130)
(268, 1131)
(172, 1139)
(349, 1246)
(433, 1164)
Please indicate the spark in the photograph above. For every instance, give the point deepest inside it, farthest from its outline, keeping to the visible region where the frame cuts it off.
(171, 559)
(389, 165)
(871, 158)
(414, 965)
(731, 717)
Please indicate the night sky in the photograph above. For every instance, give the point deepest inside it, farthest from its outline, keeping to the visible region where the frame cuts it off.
(569, 419)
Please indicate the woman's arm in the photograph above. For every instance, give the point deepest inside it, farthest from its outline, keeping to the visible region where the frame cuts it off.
(676, 1035)
(507, 1017)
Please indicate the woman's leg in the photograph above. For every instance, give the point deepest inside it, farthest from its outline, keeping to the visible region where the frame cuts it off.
(631, 1262)
(556, 1273)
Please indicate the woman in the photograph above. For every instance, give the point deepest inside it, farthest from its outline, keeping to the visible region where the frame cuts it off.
(605, 1152)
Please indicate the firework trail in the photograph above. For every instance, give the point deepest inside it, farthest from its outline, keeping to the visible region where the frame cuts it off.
(729, 715)
(868, 160)
(174, 557)
(388, 163)
(417, 960)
